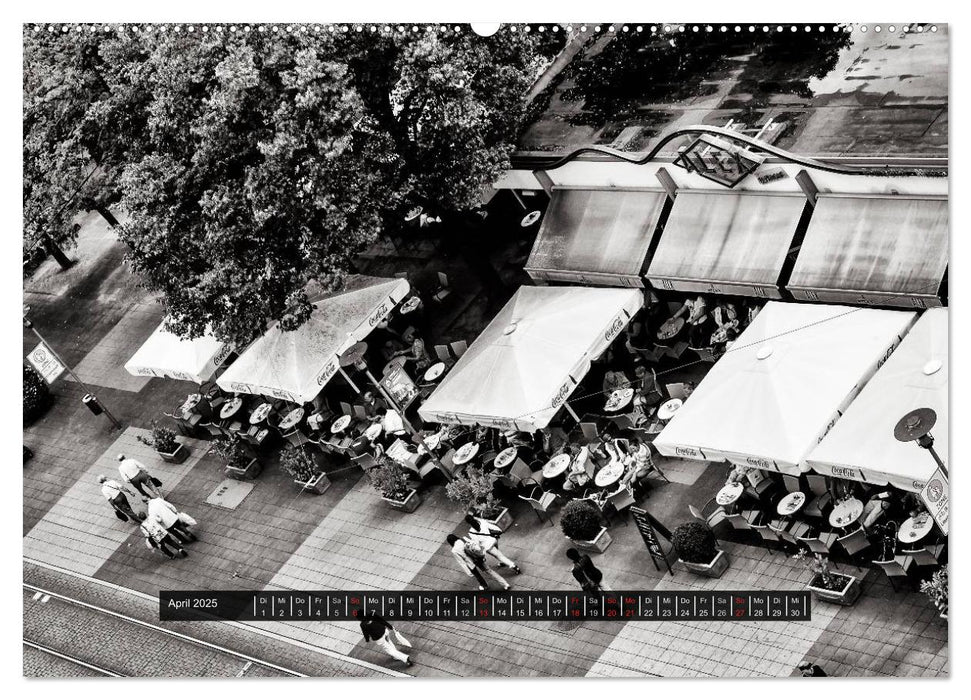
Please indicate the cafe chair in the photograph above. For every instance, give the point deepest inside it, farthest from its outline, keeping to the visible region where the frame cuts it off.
(540, 500)
(623, 422)
(779, 528)
(443, 354)
(767, 534)
(359, 412)
(792, 483)
(677, 391)
(704, 354)
(926, 556)
(590, 432)
(365, 461)
(815, 546)
(896, 568)
(345, 408)
(520, 471)
(621, 500)
(661, 350)
(677, 350)
(738, 521)
(296, 438)
(817, 484)
(441, 291)
(458, 348)
(711, 514)
(419, 472)
(654, 354)
(855, 542)
(215, 430)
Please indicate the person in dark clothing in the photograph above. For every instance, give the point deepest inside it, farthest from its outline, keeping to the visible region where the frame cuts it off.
(585, 572)
(811, 670)
(378, 630)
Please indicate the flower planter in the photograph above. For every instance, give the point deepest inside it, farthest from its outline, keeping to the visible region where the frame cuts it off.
(250, 471)
(177, 457)
(503, 521)
(845, 596)
(713, 569)
(597, 544)
(408, 505)
(317, 485)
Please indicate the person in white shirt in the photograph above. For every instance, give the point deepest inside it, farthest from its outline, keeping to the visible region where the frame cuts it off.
(135, 473)
(487, 535)
(115, 493)
(168, 516)
(157, 537)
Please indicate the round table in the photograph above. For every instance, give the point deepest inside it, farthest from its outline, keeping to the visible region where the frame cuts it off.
(729, 494)
(465, 453)
(230, 408)
(846, 512)
(791, 503)
(432, 441)
(505, 458)
(393, 364)
(409, 305)
(618, 399)
(434, 372)
(556, 466)
(915, 528)
(530, 218)
(609, 475)
(340, 425)
(191, 401)
(261, 413)
(670, 328)
(373, 431)
(291, 419)
(667, 409)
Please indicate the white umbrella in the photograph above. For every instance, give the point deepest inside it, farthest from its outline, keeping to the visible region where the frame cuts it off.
(165, 354)
(529, 359)
(861, 446)
(783, 384)
(295, 365)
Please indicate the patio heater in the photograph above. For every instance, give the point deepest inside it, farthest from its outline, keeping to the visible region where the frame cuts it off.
(916, 427)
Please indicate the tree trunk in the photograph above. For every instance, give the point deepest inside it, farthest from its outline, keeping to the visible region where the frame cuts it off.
(55, 252)
(106, 214)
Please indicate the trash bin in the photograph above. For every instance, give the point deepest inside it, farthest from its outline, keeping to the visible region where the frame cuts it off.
(91, 401)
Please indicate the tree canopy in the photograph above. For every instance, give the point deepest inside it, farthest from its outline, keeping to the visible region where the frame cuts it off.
(253, 162)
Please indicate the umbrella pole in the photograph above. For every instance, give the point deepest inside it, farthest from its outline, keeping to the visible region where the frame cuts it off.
(569, 409)
(349, 380)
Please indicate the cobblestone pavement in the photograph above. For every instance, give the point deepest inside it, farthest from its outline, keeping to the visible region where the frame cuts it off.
(348, 538)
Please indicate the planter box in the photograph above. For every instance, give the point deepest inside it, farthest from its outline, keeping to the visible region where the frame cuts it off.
(177, 457)
(408, 505)
(316, 485)
(713, 569)
(503, 521)
(847, 596)
(597, 544)
(250, 471)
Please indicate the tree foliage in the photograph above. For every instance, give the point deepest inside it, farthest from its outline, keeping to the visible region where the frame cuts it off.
(253, 162)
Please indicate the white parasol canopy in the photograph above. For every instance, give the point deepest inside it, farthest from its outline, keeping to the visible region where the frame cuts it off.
(165, 354)
(783, 384)
(295, 365)
(529, 359)
(861, 446)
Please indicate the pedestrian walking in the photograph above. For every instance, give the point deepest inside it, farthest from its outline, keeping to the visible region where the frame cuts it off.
(157, 537)
(811, 670)
(487, 535)
(115, 493)
(471, 559)
(135, 473)
(174, 522)
(585, 572)
(376, 629)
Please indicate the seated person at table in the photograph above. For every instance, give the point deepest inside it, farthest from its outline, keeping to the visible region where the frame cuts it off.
(576, 475)
(646, 385)
(636, 338)
(553, 440)
(415, 352)
(392, 423)
(615, 379)
(751, 311)
(695, 312)
(372, 407)
(725, 317)
(876, 508)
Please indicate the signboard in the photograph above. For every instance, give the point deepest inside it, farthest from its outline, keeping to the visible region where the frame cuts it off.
(400, 386)
(649, 529)
(935, 497)
(43, 360)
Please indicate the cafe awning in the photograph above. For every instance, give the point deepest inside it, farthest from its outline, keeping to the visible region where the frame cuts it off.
(861, 446)
(295, 365)
(596, 237)
(530, 358)
(726, 243)
(886, 250)
(165, 354)
(782, 385)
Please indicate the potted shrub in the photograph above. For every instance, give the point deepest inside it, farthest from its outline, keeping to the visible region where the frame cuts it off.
(582, 522)
(37, 395)
(841, 589)
(698, 550)
(935, 588)
(474, 489)
(389, 479)
(306, 472)
(241, 463)
(163, 441)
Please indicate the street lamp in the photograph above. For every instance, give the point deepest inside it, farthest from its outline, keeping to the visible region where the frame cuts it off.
(90, 395)
(916, 427)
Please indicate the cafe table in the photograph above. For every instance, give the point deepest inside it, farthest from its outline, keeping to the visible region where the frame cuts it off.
(230, 408)
(393, 364)
(609, 475)
(465, 453)
(670, 328)
(434, 372)
(261, 413)
(340, 425)
(410, 304)
(292, 418)
(729, 493)
(666, 410)
(915, 528)
(618, 399)
(556, 466)
(191, 401)
(846, 512)
(791, 503)
(505, 458)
